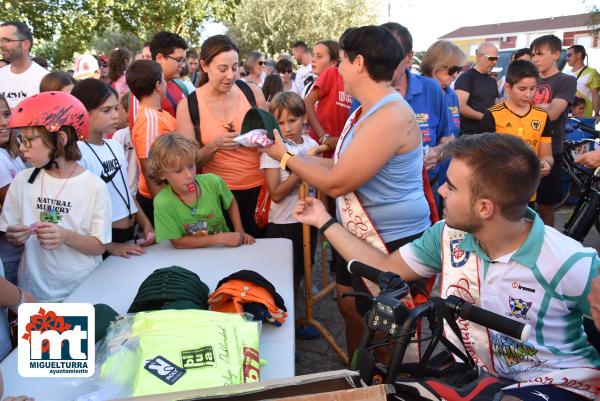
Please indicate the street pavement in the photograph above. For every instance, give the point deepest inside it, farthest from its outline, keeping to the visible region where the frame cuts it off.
(317, 356)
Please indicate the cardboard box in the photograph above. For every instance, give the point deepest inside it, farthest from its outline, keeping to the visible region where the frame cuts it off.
(334, 385)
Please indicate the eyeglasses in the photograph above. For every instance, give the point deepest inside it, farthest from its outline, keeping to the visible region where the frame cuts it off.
(454, 70)
(262, 62)
(490, 58)
(180, 61)
(285, 71)
(26, 140)
(6, 41)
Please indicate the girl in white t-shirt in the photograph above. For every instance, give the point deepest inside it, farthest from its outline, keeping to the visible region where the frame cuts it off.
(10, 165)
(289, 109)
(58, 209)
(106, 159)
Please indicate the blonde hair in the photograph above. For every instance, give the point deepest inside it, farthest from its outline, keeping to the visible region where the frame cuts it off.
(289, 101)
(171, 152)
(441, 54)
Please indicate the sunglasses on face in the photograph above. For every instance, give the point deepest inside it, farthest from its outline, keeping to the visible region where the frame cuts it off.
(490, 58)
(454, 70)
(262, 63)
(285, 71)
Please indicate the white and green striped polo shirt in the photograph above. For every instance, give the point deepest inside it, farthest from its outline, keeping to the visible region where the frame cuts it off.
(544, 283)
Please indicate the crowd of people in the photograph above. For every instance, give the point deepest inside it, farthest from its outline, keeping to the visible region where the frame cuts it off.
(131, 149)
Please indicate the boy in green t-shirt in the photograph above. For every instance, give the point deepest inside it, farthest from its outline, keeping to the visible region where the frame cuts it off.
(188, 211)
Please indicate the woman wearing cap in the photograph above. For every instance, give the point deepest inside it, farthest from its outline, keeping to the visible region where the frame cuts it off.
(376, 172)
(222, 105)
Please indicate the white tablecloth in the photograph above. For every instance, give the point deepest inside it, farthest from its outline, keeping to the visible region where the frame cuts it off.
(116, 280)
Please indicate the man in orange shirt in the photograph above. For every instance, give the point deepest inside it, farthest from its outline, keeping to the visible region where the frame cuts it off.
(146, 81)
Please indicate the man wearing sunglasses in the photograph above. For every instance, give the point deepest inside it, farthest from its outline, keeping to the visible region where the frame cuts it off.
(476, 90)
(22, 77)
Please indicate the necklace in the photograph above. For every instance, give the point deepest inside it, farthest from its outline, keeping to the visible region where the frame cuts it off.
(193, 209)
(228, 122)
(52, 215)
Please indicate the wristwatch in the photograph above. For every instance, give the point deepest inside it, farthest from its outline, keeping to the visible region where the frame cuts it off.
(284, 160)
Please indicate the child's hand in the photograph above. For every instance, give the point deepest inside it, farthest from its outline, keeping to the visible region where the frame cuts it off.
(149, 235)
(50, 235)
(124, 250)
(232, 239)
(248, 239)
(545, 168)
(17, 234)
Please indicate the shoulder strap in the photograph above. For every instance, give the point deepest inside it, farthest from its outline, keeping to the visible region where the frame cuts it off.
(247, 90)
(194, 111)
(181, 86)
(581, 72)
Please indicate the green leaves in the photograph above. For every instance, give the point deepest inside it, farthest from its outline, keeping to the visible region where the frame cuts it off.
(271, 26)
(62, 28)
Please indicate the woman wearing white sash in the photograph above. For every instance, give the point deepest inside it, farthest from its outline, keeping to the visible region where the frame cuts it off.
(376, 175)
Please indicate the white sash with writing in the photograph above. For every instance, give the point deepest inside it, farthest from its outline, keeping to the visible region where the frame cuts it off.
(460, 277)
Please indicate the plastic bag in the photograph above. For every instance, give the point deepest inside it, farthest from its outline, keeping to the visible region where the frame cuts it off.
(257, 138)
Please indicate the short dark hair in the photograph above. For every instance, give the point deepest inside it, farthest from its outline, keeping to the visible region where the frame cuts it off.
(402, 34)
(520, 53)
(39, 60)
(520, 69)
(56, 81)
(578, 101)
(142, 76)
(504, 169)
(283, 64)
(22, 29)
(93, 93)
(378, 47)
(579, 50)
(165, 43)
(301, 44)
(333, 49)
(191, 53)
(550, 41)
(273, 84)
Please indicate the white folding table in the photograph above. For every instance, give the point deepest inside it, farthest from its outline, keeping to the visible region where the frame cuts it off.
(116, 280)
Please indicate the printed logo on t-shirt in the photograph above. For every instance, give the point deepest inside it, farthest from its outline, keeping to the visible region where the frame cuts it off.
(536, 125)
(109, 169)
(542, 94)
(20, 95)
(198, 358)
(52, 210)
(518, 308)
(198, 229)
(164, 369)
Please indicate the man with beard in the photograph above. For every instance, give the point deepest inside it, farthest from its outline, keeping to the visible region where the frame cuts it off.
(495, 252)
(22, 77)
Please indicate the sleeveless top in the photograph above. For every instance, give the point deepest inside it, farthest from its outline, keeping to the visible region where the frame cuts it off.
(394, 197)
(239, 168)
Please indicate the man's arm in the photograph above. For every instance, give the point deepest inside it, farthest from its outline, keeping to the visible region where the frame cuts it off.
(312, 211)
(152, 186)
(465, 109)
(555, 108)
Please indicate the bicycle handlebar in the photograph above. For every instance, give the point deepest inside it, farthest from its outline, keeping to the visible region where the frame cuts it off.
(584, 127)
(491, 320)
(458, 306)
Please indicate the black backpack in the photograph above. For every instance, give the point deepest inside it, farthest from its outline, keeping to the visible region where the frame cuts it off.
(195, 112)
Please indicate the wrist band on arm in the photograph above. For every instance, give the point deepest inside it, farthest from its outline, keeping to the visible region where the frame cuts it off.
(327, 224)
(284, 160)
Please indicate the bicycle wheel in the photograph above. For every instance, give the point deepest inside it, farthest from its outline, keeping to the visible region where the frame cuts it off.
(584, 216)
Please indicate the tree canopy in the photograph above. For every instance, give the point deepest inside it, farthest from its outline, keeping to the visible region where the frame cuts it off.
(272, 26)
(64, 27)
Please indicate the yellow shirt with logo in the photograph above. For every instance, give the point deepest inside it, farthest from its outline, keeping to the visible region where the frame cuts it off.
(533, 127)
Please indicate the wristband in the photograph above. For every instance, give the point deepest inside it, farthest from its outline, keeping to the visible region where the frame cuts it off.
(327, 224)
(323, 138)
(284, 160)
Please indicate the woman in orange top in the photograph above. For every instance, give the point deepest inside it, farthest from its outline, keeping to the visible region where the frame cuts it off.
(222, 107)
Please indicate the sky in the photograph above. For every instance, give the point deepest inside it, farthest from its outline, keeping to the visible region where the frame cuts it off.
(427, 20)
